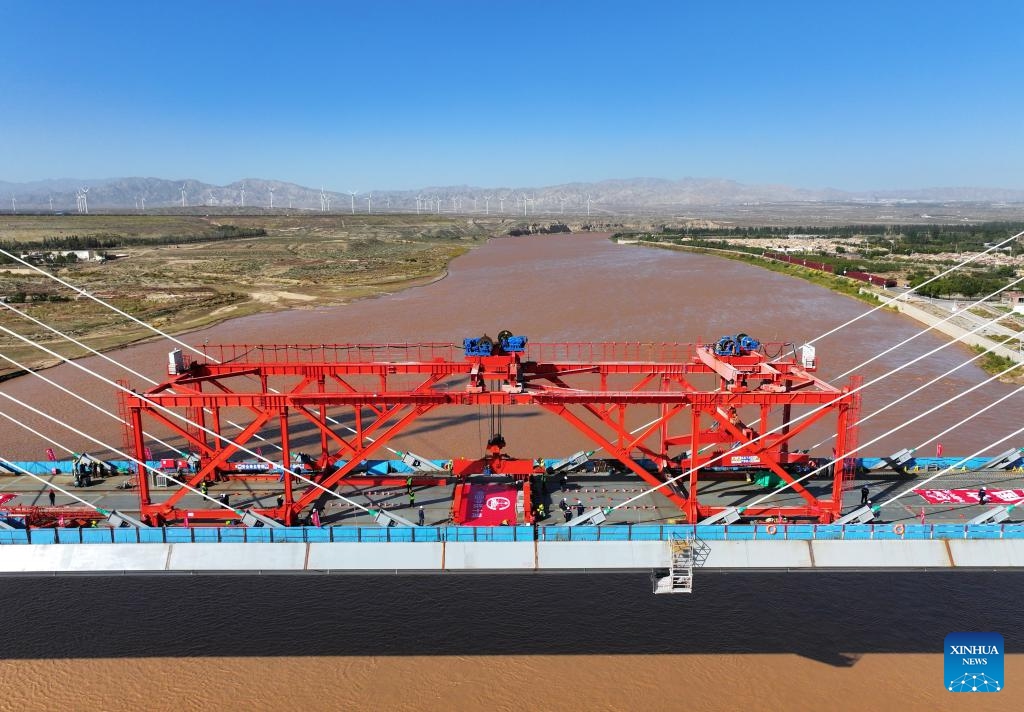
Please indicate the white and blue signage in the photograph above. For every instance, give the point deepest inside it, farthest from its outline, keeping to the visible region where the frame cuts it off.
(974, 662)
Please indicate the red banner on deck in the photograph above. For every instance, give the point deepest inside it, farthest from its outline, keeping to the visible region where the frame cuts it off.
(5, 498)
(970, 496)
(490, 505)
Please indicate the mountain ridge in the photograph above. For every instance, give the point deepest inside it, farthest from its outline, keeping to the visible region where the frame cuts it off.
(643, 193)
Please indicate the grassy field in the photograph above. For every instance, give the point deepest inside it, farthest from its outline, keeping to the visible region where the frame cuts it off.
(307, 260)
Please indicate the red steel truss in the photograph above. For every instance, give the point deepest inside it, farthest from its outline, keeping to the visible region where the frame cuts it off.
(380, 390)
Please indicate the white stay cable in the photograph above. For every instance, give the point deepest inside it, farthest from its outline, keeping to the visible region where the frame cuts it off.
(155, 330)
(60, 489)
(100, 301)
(934, 326)
(922, 332)
(920, 388)
(904, 424)
(113, 362)
(958, 463)
(809, 413)
(174, 414)
(927, 281)
(101, 444)
(87, 402)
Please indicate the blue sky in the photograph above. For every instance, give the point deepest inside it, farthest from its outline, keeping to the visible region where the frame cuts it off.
(382, 94)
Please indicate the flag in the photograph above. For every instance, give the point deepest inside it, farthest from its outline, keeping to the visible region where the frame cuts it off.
(315, 517)
(938, 449)
(50, 454)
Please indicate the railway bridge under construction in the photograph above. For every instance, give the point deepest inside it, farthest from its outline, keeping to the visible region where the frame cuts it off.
(698, 455)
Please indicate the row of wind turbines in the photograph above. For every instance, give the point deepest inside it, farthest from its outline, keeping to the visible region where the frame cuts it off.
(424, 204)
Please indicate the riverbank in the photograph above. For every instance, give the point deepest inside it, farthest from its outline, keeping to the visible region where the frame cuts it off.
(839, 285)
(299, 262)
(999, 357)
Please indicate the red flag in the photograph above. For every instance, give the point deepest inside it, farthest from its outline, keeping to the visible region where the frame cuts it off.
(50, 454)
(938, 449)
(315, 517)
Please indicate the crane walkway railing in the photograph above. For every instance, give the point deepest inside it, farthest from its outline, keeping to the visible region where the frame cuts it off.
(614, 533)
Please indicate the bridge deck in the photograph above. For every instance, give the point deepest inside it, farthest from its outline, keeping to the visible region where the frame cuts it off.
(591, 489)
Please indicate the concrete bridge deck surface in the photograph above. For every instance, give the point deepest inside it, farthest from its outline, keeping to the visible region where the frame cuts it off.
(591, 489)
(504, 557)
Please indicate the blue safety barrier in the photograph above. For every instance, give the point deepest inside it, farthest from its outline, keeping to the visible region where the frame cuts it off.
(635, 532)
(858, 531)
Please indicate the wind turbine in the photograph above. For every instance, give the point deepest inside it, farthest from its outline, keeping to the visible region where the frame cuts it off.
(136, 203)
(368, 196)
(438, 206)
(142, 199)
(589, 201)
(487, 205)
(50, 198)
(14, 205)
(526, 203)
(271, 198)
(183, 195)
(84, 206)
(353, 193)
(454, 204)
(501, 205)
(323, 200)
(242, 191)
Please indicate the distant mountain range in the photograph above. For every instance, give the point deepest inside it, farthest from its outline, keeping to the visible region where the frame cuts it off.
(609, 196)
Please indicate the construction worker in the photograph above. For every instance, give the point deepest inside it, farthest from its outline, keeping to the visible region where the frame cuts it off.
(579, 507)
(408, 484)
(412, 498)
(567, 513)
(540, 512)
(204, 487)
(423, 516)
(563, 505)
(53, 497)
(863, 495)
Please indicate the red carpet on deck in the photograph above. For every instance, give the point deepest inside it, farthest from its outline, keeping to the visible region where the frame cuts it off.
(970, 496)
(489, 505)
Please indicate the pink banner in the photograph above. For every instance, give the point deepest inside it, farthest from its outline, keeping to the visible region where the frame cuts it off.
(970, 496)
(490, 505)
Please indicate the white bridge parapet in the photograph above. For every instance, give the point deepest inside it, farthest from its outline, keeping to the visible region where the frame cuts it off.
(520, 556)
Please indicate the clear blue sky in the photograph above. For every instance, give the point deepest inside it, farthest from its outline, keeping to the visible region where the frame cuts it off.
(382, 94)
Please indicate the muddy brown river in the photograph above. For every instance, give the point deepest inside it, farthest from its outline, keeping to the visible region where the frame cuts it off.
(780, 642)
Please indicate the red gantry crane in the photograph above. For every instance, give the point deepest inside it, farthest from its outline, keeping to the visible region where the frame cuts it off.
(703, 396)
